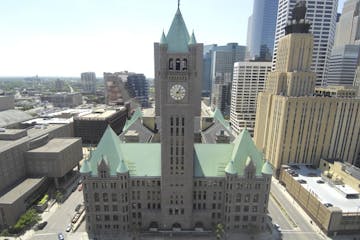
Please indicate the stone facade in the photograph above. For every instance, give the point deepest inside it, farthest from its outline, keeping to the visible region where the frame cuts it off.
(177, 184)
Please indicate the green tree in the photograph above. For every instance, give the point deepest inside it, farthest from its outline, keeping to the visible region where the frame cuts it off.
(59, 196)
(220, 231)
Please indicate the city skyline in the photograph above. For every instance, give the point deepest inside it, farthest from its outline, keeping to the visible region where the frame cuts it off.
(48, 38)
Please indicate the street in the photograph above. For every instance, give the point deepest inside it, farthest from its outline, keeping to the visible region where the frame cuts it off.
(293, 221)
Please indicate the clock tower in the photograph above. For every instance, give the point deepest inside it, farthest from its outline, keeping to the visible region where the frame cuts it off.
(178, 74)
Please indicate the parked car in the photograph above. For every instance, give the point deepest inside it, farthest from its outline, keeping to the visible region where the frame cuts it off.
(60, 236)
(78, 207)
(69, 227)
(328, 205)
(302, 181)
(320, 181)
(40, 226)
(80, 188)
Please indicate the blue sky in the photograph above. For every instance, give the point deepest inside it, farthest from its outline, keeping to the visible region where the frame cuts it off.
(67, 37)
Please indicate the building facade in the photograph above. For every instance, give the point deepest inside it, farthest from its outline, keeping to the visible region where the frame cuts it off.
(248, 81)
(292, 125)
(88, 82)
(222, 67)
(261, 29)
(115, 92)
(322, 14)
(64, 99)
(138, 88)
(176, 184)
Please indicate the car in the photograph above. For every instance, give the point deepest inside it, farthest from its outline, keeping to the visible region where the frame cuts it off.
(320, 181)
(328, 205)
(78, 207)
(69, 227)
(60, 236)
(40, 226)
(80, 188)
(301, 181)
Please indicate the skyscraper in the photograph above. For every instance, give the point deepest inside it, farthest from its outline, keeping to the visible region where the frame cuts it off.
(322, 14)
(345, 54)
(293, 126)
(206, 84)
(88, 82)
(248, 81)
(261, 29)
(138, 88)
(222, 67)
(177, 184)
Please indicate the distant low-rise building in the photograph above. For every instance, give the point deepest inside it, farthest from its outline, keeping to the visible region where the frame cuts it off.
(7, 102)
(63, 99)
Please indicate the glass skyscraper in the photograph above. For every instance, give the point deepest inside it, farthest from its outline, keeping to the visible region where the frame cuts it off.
(261, 30)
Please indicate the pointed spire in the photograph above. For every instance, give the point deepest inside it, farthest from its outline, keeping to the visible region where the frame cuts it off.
(192, 39)
(178, 35)
(178, 4)
(163, 39)
(122, 168)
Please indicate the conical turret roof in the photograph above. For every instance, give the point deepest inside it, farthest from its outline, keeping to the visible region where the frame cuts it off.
(122, 168)
(178, 35)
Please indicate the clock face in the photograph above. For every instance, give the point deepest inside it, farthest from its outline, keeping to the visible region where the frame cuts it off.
(177, 92)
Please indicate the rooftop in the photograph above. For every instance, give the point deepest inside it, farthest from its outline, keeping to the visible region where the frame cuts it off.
(100, 114)
(22, 188)
(12, 116)
(55, 145)
(327, 192)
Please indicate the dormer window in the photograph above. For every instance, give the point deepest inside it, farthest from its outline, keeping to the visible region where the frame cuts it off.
(103, 174)
(171, 64)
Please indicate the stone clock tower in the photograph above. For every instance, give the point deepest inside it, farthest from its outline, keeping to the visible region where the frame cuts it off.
(178, 74)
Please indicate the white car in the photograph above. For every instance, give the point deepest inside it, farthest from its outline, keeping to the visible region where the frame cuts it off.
(69, 228)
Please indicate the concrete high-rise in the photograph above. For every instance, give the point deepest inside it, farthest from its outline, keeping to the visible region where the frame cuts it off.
(322, 14)
(88, 82)
(222, 67)
(248, 81)
(345, 54)
(293, 126)
(261, 29)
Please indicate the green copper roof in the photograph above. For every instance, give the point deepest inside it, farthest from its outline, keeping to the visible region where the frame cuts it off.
(122, 168)
(267, 168)
(218, 116)
(85, 168)
(163, 39)
(230, 168)
(178, 35)
(244, 147)
(136, 115)
(192, 39)
(211, 159)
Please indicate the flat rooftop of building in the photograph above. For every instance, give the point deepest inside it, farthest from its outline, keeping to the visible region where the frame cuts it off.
(100, 114)
(326, 192)
(19, 190)
(206, 110)
(41, 121)
(12, 116)
(148, 112)
(55, 145)
(32, 133)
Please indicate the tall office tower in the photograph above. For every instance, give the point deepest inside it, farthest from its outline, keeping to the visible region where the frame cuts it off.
(222, 67)
(262, 30)
(342, 65)
(248, 81)
(345, 54)
(115, 91)
(88, 82)
(292, 125)
(138, 88)
(177, 184)
(206, 83)
(322, 14)
(357, 80)
(59, 85)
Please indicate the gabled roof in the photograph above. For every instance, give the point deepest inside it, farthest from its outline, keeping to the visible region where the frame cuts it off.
(136, 115)
(109, 146)
(220, 118)
(178, 35)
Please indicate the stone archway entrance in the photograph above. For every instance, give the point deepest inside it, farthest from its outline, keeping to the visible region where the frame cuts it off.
(176, 227)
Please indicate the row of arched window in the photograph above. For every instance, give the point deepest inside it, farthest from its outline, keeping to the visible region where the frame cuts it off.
(178, 64)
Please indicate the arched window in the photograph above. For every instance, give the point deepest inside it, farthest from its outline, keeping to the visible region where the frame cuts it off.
(177, 64)
(171, 64)
(184, 64)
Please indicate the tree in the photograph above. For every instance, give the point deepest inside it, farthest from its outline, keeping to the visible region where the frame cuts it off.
(220, 231)
(59, 196)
